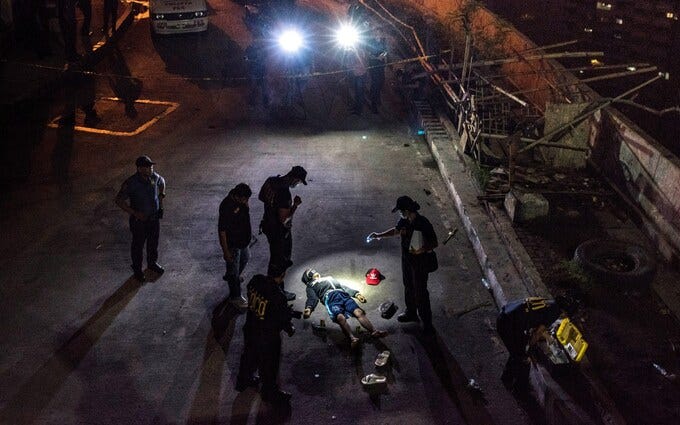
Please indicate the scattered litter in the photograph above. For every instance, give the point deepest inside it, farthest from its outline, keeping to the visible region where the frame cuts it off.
(451, 234)
(382, 359)
(474, 386)
(560, 176)
(664, 372)
(99, 246)
(427, 192)
(373, 379)
(486, 283)
(316, 375)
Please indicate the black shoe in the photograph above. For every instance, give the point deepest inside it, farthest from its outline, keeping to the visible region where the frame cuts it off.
(139, 275)
(243, 384)
(156, 268)
(278, 397)
(407, 317)
(290, 296)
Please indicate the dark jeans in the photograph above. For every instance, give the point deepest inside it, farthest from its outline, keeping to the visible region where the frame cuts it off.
(146, 231)
(516, 372)
(416, 295)
(280, 246)
(359, 82)
(67, 25)
(235, 268)
(261, 352)
(85, 7)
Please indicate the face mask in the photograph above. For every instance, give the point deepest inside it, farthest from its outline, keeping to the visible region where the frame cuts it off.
(403, 214)
(294, 185)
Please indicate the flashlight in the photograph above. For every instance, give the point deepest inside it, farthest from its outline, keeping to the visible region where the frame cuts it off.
(452, 233)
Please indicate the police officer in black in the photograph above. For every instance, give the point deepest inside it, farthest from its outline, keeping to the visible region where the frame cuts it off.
(413, 266)
(268, 315)
(279, 207)
(145, 191)
(516, 323)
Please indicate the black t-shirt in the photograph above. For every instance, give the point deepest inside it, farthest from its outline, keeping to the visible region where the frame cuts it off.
(268, 309)
(235, 220)
(420, 224)
(275, 194)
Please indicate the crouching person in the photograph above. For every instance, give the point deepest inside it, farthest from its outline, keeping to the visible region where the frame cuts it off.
(339, 302)
(268, 315)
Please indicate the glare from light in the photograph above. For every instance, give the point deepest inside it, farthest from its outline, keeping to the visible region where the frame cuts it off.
(290, 41)
(347, 36)
(364, 137)
(631, 68)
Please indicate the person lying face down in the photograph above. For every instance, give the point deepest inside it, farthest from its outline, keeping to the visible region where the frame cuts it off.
(339, 302)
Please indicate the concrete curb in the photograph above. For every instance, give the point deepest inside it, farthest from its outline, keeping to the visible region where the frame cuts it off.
(505, 263)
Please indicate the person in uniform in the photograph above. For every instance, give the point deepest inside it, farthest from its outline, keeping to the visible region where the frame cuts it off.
(268, 315)
(234, 233)
(279, 209)
(338, 299)
(516, 323)
(417, 239)
(376, 70)
(145, 191)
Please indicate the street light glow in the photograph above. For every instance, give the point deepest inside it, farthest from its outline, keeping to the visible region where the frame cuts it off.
(290, 40)
(347, 36)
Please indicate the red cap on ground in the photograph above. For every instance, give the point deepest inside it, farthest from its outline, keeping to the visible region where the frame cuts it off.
(373, 276)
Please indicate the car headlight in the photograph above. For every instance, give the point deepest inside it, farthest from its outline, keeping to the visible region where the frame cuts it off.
(201, 13)
(158, 16)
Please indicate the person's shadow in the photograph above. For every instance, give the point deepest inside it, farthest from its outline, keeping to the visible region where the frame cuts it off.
(124, 85)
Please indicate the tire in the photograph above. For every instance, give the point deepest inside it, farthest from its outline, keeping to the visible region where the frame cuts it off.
(612, 261)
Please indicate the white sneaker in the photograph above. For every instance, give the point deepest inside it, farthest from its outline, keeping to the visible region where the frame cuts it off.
(239, 301)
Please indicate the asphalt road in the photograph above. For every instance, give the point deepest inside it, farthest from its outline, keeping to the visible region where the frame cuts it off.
(82, 342)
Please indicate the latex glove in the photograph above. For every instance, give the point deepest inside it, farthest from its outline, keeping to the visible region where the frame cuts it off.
(361, 298)
(307, 313)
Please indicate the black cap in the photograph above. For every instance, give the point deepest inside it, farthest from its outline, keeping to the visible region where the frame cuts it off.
(299, 173)
(405, 203)
(144, 161)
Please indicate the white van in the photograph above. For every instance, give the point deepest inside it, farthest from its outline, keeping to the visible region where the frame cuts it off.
(178, 16)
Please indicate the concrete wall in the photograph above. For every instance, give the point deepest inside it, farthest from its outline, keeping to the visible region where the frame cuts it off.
(645, 172)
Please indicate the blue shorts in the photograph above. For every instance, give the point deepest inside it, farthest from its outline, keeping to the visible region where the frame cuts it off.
(339, 302)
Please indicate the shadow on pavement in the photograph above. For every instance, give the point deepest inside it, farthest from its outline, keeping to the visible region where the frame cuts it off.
(125, 87)
(206, 403)
(210, 60)
(452, 378)
(39, 389)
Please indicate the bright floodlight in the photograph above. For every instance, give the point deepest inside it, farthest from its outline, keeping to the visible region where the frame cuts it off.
(347, 36)
(290, 41)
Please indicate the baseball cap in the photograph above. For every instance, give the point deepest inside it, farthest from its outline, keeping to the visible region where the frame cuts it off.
(299, 173)
(405, 203)
(373, 276)
(144, 161)
(308, 275)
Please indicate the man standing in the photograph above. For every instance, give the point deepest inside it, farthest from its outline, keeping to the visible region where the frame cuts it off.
(279, 209)
(110, 15)
(145, 191)
(417, 239)
(268, 315)
(235, 232)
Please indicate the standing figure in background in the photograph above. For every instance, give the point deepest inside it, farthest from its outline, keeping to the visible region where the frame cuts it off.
(377, 58)
(235, 232)
(257, 69)
(110, 15)
(145, 190)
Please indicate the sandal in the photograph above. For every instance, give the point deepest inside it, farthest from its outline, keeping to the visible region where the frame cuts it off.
(373, 379)
(382, 359)
(379, 334)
